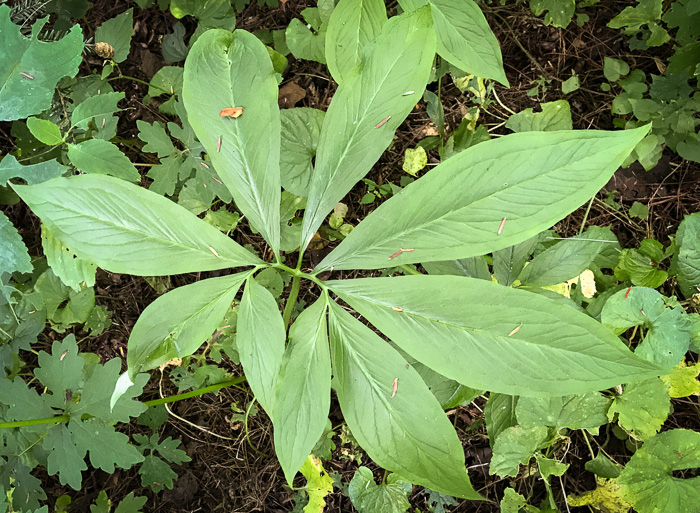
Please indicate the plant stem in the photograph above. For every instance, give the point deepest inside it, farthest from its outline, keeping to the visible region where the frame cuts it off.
(139, 81)
(410, 270)
(585, 216)
(155, 402)
(291, 300)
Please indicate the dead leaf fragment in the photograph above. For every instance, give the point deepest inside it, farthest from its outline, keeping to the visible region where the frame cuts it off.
(290, 95)
(231, 112)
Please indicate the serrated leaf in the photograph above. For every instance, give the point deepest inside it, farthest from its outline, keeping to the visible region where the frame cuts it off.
(23, 402)
(686, 261)
(636, 267)
(465, 39)
(260, 342)
(647, 480)
(366, 110)
(32, 173)
(668, 335)
(642, 408)
(319, 484)
(131, 504)
(605, 497)
(459, 335)
(586, 411)
(100, 106)
(302, 391)
(307, 41)
(225, 70)
(554, 116)
(65, 458)
(73, 271)
(107, 448)
(559, 12)
(62, 370)
(98, 156)
(512, 501)
(156, 473)
(178, 322)
(156, 139)
(45, 62)
(531, 180)
(407, 433)
(352, 25)
(368, 497)
(45, 131)
(514, 446)
(301, 128)
(117, 32)
(13, 252)
(682, 382)
(114, 224)
(549, 467)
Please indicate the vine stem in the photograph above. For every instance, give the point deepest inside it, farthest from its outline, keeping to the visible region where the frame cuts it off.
(293, 294)
(155, 402)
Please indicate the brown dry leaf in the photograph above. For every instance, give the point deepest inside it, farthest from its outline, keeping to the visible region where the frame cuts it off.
(430, 129)
(317, 242)
(290, 95)
(231, 112)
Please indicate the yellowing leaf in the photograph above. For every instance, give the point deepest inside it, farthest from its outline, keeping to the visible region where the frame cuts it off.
(681, 381)
(587, 283)
(318, 484)
(415, 160)
(606, 497)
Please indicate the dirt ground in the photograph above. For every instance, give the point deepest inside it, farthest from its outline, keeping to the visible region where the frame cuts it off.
(230, 473)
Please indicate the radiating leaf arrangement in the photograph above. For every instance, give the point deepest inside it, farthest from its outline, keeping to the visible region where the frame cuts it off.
(485, 199)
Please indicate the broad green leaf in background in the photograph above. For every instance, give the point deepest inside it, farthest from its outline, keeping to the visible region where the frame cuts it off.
(303, 389)
(568, 258)
(647, 480)
(642, 408)
(45, 131)
(173, 46)
(668, 336)
(559, 12)
(180, 321)
(307, 40)
(126, 229)
(529, 180)
(65, 307)
(499, 414)
(43, 64)
(514, 446)
(367, 109)
(448, 392)
(117, 32)
(639, 265)
(301, 128)
(32, 174)
(167, 80)
(13, 252)
(260, 342)
(352, 25)
(554, 116)
(467, 332)
(686, 261)
(97, 156)
(509, 262)
(72, 270)
(209, 14)
(586, 411)
(100, 106)
(225, 70)
(368, 497)
(407, 433)
(473, 267)
(465, 39)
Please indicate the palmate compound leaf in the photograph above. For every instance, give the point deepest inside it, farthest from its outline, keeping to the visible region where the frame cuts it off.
(488, 197)
(647, 481)
(124, 228)
(30, 68)
(367, 109)
(467, 332)
(225, 70)
(178, 322)
(302, 392)
(407, 433)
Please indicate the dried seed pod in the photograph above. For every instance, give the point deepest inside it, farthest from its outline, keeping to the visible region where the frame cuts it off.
(104, 50)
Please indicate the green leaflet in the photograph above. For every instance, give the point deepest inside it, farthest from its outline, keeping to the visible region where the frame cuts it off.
(554, 116)
(368, 497)
(225, 70)
(466, 332)
(687, 260)
(100, 106)
(13, 253)
(647, 480)
(642, 408)
(465, 39)
(514, 446)
(499, 414)
(407, 433)
(366, 110)
(178, 322)
(474, 267)
(32, 174)
(585, 411)
(302, 391)
(117, 32)
(531, 180)
(126, 229)
(568, 258)
(352, 25)
(260, 343)
(301, 128)
(43, 64)
(509, 262)
(45, 131)
(97, 156)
